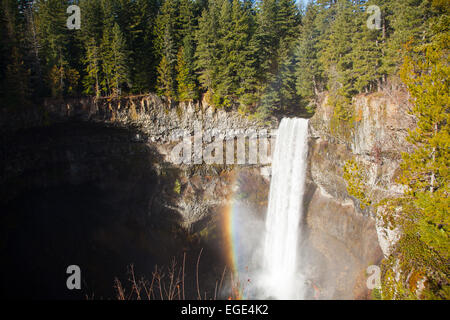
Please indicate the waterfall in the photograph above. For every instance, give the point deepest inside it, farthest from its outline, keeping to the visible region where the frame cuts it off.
(280, 277)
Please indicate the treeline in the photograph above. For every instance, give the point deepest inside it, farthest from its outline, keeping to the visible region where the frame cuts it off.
(264, 56)
(418, 267)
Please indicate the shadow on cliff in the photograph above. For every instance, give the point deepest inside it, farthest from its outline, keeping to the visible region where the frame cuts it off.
(88, 195)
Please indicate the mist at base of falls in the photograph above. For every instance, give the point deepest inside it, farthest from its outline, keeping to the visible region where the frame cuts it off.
(270, 250)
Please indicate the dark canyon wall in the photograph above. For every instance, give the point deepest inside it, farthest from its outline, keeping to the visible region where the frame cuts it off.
(120, 148)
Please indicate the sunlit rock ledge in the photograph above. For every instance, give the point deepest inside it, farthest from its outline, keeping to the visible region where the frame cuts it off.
(156, 116)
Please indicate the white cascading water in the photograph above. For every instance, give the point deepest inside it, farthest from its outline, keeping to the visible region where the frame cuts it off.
(280, 278)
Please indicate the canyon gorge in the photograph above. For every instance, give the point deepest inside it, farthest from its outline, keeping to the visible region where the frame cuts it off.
(91, 182)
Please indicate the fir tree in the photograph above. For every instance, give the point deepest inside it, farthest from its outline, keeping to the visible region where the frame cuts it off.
(55, 40)
(409, 21)
(308, 69)
(93, 65)
(114, 58)
(208, 51)
(337, 54)
(367, 56)
(120, 60)
(141, 40)
(244, 26)
(423, 218)
(32, 55)
(14, 78)
(287, 25)
(168, 36)
(166, 84)
(278, 28)
(267, 39)
(186, 85)
(223, 89)
(186, 61)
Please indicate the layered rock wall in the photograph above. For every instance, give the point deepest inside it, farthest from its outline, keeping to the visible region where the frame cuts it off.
(345, 238)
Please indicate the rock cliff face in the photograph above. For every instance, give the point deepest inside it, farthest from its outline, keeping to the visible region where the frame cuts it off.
(152, 121)
(90, 182)
(156, 117)
(129, 170)
(345, 239)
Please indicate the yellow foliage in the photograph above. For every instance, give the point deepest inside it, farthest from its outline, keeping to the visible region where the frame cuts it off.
(354, 176)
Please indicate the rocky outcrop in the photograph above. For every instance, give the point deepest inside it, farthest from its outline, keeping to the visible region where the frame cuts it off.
(94, 187)
(346, 239)
(77, 142)
(156, 117)
(151, 121)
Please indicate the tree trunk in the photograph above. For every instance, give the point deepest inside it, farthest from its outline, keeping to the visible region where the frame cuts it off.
(35, 44)
(433, 176)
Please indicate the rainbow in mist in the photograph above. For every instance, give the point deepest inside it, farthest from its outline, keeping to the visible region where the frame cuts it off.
(231, 233)
(243, 232)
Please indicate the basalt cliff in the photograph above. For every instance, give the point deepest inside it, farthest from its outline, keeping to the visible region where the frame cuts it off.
(345, 238)
(101, 172)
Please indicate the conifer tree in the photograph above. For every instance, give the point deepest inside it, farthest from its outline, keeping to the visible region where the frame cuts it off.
(166, 84)
(93, 66)
(168, 35)
(223, 90)
(93, 20)
(187, 81)
(409, 21)
(186, 86)
(308, 69)
(55, 40)
(278, 29)
(32, 47)
(424, 221)
(120, 56)
(14, 89)
(367, 56)
(168, 20)
(165, 81)
(141, 39)
(244, 22)
(114, 58)
(337, 54)
(92, 31)
(267, 40)
(288, 25)
(337, 58)
(208, 51)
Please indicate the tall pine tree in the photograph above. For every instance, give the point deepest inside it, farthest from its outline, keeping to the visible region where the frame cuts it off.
(421, 214)
(167, 42)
